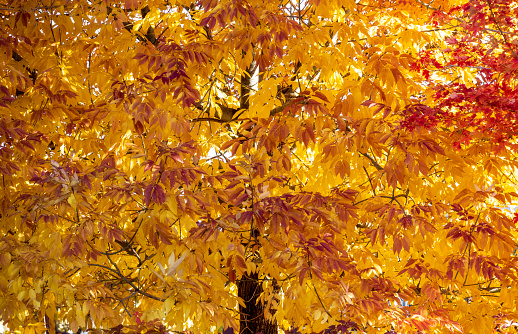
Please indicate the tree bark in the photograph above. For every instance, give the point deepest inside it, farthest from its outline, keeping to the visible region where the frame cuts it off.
(252, 319)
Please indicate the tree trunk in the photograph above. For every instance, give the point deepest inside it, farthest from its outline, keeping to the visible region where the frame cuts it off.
(252, 319)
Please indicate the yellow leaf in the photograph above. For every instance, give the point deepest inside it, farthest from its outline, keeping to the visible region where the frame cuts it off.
(72, 201)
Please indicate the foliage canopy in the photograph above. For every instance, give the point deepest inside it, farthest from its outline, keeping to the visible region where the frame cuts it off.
(268, 166)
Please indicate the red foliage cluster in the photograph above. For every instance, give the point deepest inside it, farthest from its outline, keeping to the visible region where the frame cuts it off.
(487, 109)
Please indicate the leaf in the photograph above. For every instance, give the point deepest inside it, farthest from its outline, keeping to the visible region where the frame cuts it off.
(158, 194)
(173, 265)
(232, 275)
(240, 262)
(72, 201)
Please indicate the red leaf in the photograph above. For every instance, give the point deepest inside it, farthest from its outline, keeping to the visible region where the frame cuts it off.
(321, 96)
(241, 198)
(368, 103)
(397, 245)
(232, 275)
(373, 234)
(138, 127)
(147, 194)
(205, 21)
(240, 262)
(302, 275)
(149, 164)
(158, 194)
(177, 157)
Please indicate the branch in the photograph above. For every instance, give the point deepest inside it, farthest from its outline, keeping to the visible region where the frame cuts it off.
(246, 79)
(370, 181)
(126, 246)
(225, 119)
(429, 5)
(374, 162)
(475, 67)
(137, 290)
(319, 299)
(125, 308)
(150, 33)
(280, 108)
(502, 32)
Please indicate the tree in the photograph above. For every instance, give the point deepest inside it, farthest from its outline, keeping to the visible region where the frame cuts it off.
(247, 165)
